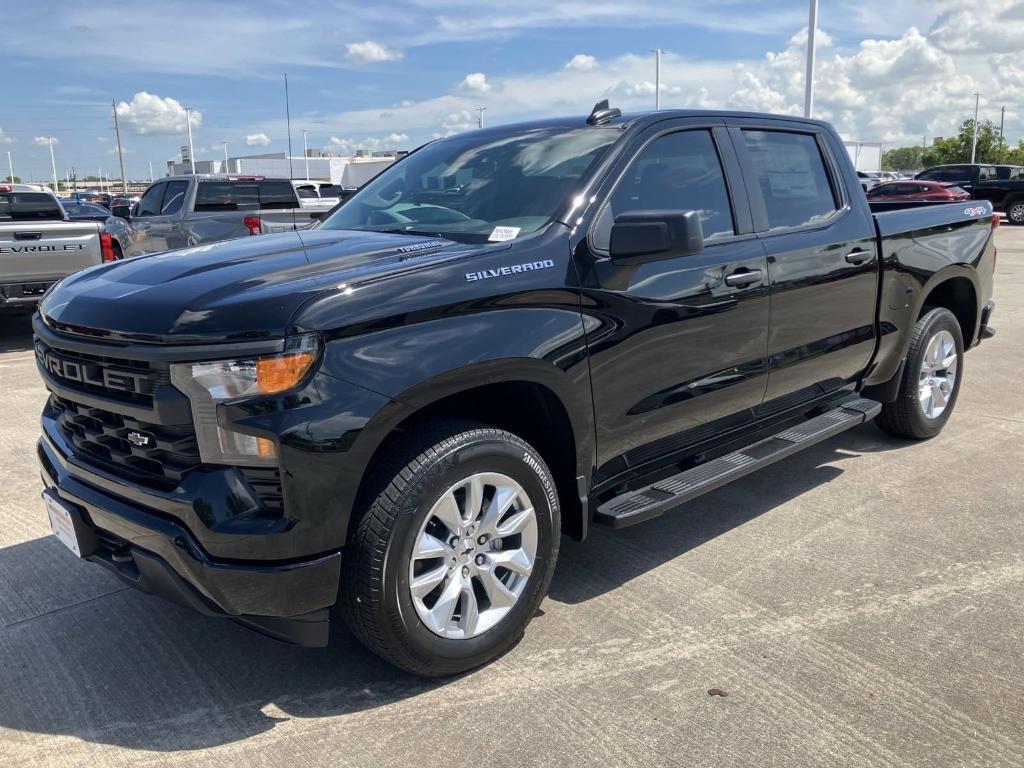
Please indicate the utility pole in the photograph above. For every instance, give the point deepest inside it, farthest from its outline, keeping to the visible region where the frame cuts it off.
(974, 143)
(10, 166)
(657, 76)
(53, 163)
(288, 116)
(120, 152)
(812, 25)
(1002, 119)
(191, 151)
(305, 151)
(100, 172)
(480, 116)
(150, 171)
(225, 145)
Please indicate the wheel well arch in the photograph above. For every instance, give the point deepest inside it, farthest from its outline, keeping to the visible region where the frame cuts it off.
(958, 295)
(528, 409)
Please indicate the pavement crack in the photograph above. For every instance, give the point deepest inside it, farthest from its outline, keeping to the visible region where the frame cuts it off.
(63, 608)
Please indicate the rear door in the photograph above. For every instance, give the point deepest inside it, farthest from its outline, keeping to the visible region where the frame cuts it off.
(820, 248)
(678, 344)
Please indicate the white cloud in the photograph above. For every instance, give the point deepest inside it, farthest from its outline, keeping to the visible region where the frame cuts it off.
(348, 146)
(462, 120)
(102, 138)
(113, 151)
(257, 140)
(4, 138)
(44, 141)
(150, 115)
(369, 52)
(583, 62)
(475, 83)
(997, 26)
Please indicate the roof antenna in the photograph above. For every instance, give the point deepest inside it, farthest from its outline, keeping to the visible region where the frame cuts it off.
(602, 113)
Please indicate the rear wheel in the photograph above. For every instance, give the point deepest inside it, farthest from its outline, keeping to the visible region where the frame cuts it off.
(931, 379)
(452, 558)
(1015, 211)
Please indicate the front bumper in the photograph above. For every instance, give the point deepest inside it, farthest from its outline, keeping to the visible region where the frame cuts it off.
(288, 600)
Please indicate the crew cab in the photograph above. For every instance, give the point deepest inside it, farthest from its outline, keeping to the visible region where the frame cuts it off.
(182, 211)
(509, 334)
(39, 244)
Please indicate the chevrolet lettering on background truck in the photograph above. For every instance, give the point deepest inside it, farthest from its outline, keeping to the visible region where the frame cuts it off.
(511, 334)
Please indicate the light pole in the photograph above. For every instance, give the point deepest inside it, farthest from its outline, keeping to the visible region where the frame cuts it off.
(480, 116)
(974, 142)
(53, 164)
(657, 76)
(191, 151)
(812, 25)
(10, 165)
(305, 152)
(225, 145)
(150, 171)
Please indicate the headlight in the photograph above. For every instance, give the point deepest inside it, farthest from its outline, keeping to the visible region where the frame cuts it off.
(209, 383)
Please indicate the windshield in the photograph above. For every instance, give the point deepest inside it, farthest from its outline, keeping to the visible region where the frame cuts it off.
(474, 187)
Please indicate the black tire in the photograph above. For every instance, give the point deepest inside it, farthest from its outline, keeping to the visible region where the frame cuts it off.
(1014, 209)
(375, 598)
(905, 417)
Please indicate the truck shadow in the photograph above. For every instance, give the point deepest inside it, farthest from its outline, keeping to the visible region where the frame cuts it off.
(15, 332)
(84, 657)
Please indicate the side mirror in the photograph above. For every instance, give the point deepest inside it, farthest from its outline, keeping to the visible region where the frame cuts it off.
(639, 236)
(121, 211)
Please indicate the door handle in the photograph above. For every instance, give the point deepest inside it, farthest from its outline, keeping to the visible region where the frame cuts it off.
(28, 235)
(858, 256)
(737, 279)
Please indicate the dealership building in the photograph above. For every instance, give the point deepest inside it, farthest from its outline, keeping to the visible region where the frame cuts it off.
(348, 171)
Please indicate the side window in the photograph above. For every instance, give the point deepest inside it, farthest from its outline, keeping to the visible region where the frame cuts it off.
(789, 169)
(149, 205)
(986, 172)
(277, 194)
(225, 195)
(173, 197)
(678, 171)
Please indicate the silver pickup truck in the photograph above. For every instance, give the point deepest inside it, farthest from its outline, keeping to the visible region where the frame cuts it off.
(183, 211)
(39, 245)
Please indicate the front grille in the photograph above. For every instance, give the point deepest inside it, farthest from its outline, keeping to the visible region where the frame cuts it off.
(155, 454)
(130, 381)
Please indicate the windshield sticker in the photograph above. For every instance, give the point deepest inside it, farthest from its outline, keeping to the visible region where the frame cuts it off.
(500, 234)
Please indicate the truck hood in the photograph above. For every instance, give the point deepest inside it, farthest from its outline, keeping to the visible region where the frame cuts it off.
(240, 289)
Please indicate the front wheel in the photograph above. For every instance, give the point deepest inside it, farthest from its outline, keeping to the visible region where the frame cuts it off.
(453, 556)
(931, 379)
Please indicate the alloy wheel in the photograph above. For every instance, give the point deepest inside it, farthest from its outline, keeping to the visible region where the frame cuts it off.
(473, 556)
(938, 374)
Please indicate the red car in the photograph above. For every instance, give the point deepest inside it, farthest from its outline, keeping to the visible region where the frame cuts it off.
(912, 189)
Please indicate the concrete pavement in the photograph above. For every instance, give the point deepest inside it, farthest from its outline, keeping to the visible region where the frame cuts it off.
(858, 603)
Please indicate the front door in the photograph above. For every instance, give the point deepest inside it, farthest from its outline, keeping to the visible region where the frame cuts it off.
(679, 343)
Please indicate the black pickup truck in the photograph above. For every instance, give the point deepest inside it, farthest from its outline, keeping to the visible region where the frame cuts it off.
(1001, 185)
(511, 333)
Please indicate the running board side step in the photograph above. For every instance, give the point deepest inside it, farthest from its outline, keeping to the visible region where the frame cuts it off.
(660, 497)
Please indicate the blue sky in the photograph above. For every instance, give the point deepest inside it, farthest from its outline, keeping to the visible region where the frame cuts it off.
(392, 75)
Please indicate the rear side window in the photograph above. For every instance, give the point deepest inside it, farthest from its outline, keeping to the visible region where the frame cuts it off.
(679, 172)
(29, 206)
(226, 195)
(791, 173)
(276, 194)
(306, 191)
(174, 197)
(986, 172)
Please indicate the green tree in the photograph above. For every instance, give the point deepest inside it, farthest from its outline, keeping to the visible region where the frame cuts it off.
(957, 149)
(13, 179)
(1015, 156)
(902, 158)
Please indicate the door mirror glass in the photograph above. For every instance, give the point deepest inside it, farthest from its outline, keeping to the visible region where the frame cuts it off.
(639, 236)
(120, 211)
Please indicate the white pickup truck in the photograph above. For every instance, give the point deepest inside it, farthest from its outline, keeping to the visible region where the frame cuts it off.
(39, 246)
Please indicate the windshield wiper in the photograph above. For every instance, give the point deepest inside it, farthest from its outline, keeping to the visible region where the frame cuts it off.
(414, 232)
